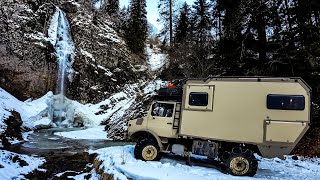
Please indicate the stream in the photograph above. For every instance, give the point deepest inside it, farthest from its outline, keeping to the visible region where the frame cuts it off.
(61, 154)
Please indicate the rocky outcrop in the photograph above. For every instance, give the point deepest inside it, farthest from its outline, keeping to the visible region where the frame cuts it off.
(102, 64)
(28, 64)
(13, 126)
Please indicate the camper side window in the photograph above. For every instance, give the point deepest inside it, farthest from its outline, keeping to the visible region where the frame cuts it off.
(285, 102)
(198, 99)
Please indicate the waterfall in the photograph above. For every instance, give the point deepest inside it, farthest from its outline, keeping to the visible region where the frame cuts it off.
(60, 38)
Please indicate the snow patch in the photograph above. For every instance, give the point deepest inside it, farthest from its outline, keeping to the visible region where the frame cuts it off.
(156, 60)
(98, 4)
(13, 167)
(87, 54)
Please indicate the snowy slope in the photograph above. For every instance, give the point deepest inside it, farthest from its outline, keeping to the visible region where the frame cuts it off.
(120, 162)
(156, 59)
(12, 165)
(30, 111)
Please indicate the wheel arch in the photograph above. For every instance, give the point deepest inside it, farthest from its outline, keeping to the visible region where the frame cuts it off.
(142, 134)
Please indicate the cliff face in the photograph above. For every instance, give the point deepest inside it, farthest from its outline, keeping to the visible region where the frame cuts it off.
(102, 64)
(28, 63)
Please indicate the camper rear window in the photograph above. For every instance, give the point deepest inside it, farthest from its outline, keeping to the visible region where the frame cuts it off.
(198, 99)
(285, 102)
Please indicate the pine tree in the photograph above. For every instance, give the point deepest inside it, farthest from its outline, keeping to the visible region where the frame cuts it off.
(201, 38)
(166, 17)
(183, 25)
(112, 7)
(201, 21)
(137, 28)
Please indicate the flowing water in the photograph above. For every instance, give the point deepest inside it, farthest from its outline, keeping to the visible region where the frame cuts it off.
(60, 38)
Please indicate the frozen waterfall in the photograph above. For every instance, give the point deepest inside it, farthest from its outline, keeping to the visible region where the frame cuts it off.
(60, 38)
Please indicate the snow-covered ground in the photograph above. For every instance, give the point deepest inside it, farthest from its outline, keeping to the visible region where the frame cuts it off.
(120, 162)
(13, 165)
(156, 59)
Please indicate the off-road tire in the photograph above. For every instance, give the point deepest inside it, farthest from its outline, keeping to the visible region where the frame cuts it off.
(147, 150)
(241, 163)
(135, 152)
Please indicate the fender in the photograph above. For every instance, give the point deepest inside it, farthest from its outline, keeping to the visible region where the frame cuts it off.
(149, 132)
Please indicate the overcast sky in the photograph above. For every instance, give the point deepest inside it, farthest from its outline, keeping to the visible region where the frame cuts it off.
(152, 9)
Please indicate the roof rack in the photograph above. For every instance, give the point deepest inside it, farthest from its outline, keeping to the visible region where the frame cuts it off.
(169, 94)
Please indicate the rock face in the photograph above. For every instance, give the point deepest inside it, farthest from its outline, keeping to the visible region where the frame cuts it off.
(28, 63)
(102, 64)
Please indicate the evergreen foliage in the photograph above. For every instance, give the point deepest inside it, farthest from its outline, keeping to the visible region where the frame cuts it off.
(249, 38)
(136, 30)
(182, 29)
(112, 7)
(166, 14)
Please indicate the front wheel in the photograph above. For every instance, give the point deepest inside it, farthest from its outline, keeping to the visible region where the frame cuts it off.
(147, 150)
(241, 163)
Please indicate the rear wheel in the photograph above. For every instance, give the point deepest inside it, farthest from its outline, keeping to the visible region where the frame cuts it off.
(240, 163)
(147, 150)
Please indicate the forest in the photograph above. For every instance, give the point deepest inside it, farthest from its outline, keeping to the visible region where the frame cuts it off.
(278, 38)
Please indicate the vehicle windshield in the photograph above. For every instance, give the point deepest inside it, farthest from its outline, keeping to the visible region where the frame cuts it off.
(162, 109)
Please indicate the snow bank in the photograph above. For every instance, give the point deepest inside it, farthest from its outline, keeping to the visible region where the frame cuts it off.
(120, 162)
(30, 111)
(12, 165)
(156, 60)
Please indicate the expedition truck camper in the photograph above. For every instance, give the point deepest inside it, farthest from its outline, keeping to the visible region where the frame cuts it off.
(227, 120)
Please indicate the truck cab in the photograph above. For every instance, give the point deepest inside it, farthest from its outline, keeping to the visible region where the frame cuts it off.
(161, 119)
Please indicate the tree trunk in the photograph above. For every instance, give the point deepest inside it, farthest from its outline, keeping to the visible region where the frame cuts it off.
(171, 31)
(262, 38)
(291, 36)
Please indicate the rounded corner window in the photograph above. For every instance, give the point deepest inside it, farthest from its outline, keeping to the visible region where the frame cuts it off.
(198, 99)
(285, 102)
